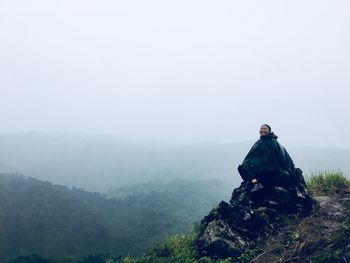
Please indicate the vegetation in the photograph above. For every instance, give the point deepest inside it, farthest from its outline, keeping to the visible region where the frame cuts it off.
(31, 259)
(327, 182)
(141, 219)
(181, 248)
(338, 248)
(59, 223)
(175, 249)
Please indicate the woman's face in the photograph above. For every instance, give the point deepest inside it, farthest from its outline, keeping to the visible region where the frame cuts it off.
(264, 130)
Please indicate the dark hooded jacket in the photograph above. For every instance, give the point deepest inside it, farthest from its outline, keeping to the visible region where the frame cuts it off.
(268, 157)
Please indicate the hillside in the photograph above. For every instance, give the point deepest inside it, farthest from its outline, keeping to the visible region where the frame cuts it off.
(97, 162)
(321, 235)
(58, 222)
(61, 224)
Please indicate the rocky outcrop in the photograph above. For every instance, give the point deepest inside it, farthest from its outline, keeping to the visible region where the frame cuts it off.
(250, 218)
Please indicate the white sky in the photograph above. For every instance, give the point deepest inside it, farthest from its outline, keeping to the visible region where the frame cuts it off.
(181, 71)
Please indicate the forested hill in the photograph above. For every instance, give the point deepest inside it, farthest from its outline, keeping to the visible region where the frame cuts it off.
(58, 222)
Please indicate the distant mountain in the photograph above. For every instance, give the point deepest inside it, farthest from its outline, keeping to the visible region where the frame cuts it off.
(57, 222)
(99, 162)
(214, 189)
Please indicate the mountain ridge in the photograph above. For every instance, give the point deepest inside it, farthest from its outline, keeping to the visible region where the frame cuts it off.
(98, 162)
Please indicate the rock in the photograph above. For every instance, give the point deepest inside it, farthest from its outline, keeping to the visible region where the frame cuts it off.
(220, 239)
(233, 227)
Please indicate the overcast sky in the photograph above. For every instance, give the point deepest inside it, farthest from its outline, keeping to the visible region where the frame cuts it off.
(182, 71)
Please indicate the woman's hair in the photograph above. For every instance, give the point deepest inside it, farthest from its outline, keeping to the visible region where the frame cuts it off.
(268, 126)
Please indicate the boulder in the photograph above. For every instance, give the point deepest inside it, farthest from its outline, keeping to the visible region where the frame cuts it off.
(249, 217)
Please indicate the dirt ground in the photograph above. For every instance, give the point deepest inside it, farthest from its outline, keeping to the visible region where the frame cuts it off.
(303, 238)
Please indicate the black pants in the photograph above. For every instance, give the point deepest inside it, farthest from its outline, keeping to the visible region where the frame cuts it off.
(264, 177)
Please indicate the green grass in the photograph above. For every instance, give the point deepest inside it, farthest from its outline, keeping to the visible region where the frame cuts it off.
(175, 249)
(338, 249)
(327, 182)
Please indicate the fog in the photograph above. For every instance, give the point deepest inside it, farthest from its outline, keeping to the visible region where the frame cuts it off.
(99, 163)
(180, 71)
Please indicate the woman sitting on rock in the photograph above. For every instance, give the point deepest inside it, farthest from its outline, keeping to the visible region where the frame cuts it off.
(267, 163)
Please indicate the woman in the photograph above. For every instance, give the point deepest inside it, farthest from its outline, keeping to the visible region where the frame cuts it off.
(267, 163)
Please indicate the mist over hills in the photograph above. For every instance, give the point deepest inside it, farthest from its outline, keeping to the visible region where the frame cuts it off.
(59, 222)
(99, 162)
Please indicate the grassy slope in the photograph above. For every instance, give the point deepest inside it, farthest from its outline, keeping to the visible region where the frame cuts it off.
(300, 241)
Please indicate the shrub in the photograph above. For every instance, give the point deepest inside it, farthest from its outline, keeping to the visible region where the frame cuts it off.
(176, 248)
(327, 182)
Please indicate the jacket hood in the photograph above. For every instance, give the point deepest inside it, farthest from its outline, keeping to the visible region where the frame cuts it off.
(271, 135)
